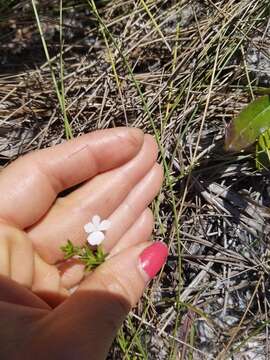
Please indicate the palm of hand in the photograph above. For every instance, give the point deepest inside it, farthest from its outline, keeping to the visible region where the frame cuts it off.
(118, 178)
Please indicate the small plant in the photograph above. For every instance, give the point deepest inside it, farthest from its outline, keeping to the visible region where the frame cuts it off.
(89, 256)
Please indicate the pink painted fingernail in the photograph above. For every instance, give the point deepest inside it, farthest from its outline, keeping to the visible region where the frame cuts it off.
(153, 258)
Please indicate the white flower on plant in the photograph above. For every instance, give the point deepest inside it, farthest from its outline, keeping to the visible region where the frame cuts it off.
(96, 229)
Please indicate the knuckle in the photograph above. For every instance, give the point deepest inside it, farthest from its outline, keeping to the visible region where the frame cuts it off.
(43, 171)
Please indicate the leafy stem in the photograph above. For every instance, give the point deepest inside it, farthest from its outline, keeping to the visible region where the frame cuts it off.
(90, 257)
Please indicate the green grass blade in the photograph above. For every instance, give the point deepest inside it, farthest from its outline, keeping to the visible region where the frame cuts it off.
(59, 92)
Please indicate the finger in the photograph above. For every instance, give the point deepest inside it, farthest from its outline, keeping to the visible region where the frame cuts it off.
(72, 272)
(104, 299)
(15, 250)
(131, 208)
(46, 283)
(140, 231)
(21, 259)
(101, 196)
(41, 175)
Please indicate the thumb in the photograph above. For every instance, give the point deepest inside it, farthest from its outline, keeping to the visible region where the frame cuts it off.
(126, 274)
(97, 309)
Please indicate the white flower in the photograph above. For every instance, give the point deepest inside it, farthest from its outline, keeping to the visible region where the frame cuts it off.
(95, 229)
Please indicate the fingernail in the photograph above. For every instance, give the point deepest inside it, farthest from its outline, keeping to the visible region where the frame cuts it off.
(152, 259)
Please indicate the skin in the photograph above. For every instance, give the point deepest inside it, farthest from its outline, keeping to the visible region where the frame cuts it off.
(112, 173)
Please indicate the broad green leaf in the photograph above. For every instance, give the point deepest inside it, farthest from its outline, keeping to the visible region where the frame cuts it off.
(245, 130)
(263, 151)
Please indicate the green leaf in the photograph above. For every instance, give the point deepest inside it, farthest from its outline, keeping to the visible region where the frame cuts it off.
(263, 151)
(245, 130)
(101, 256)
(68, 250)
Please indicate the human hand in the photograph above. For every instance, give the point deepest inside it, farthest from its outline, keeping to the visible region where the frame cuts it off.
(122, 194)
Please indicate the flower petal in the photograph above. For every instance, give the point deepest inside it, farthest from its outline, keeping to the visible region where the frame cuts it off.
(104, 225)
(89, 227)
(96, 238)
(96, 220)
